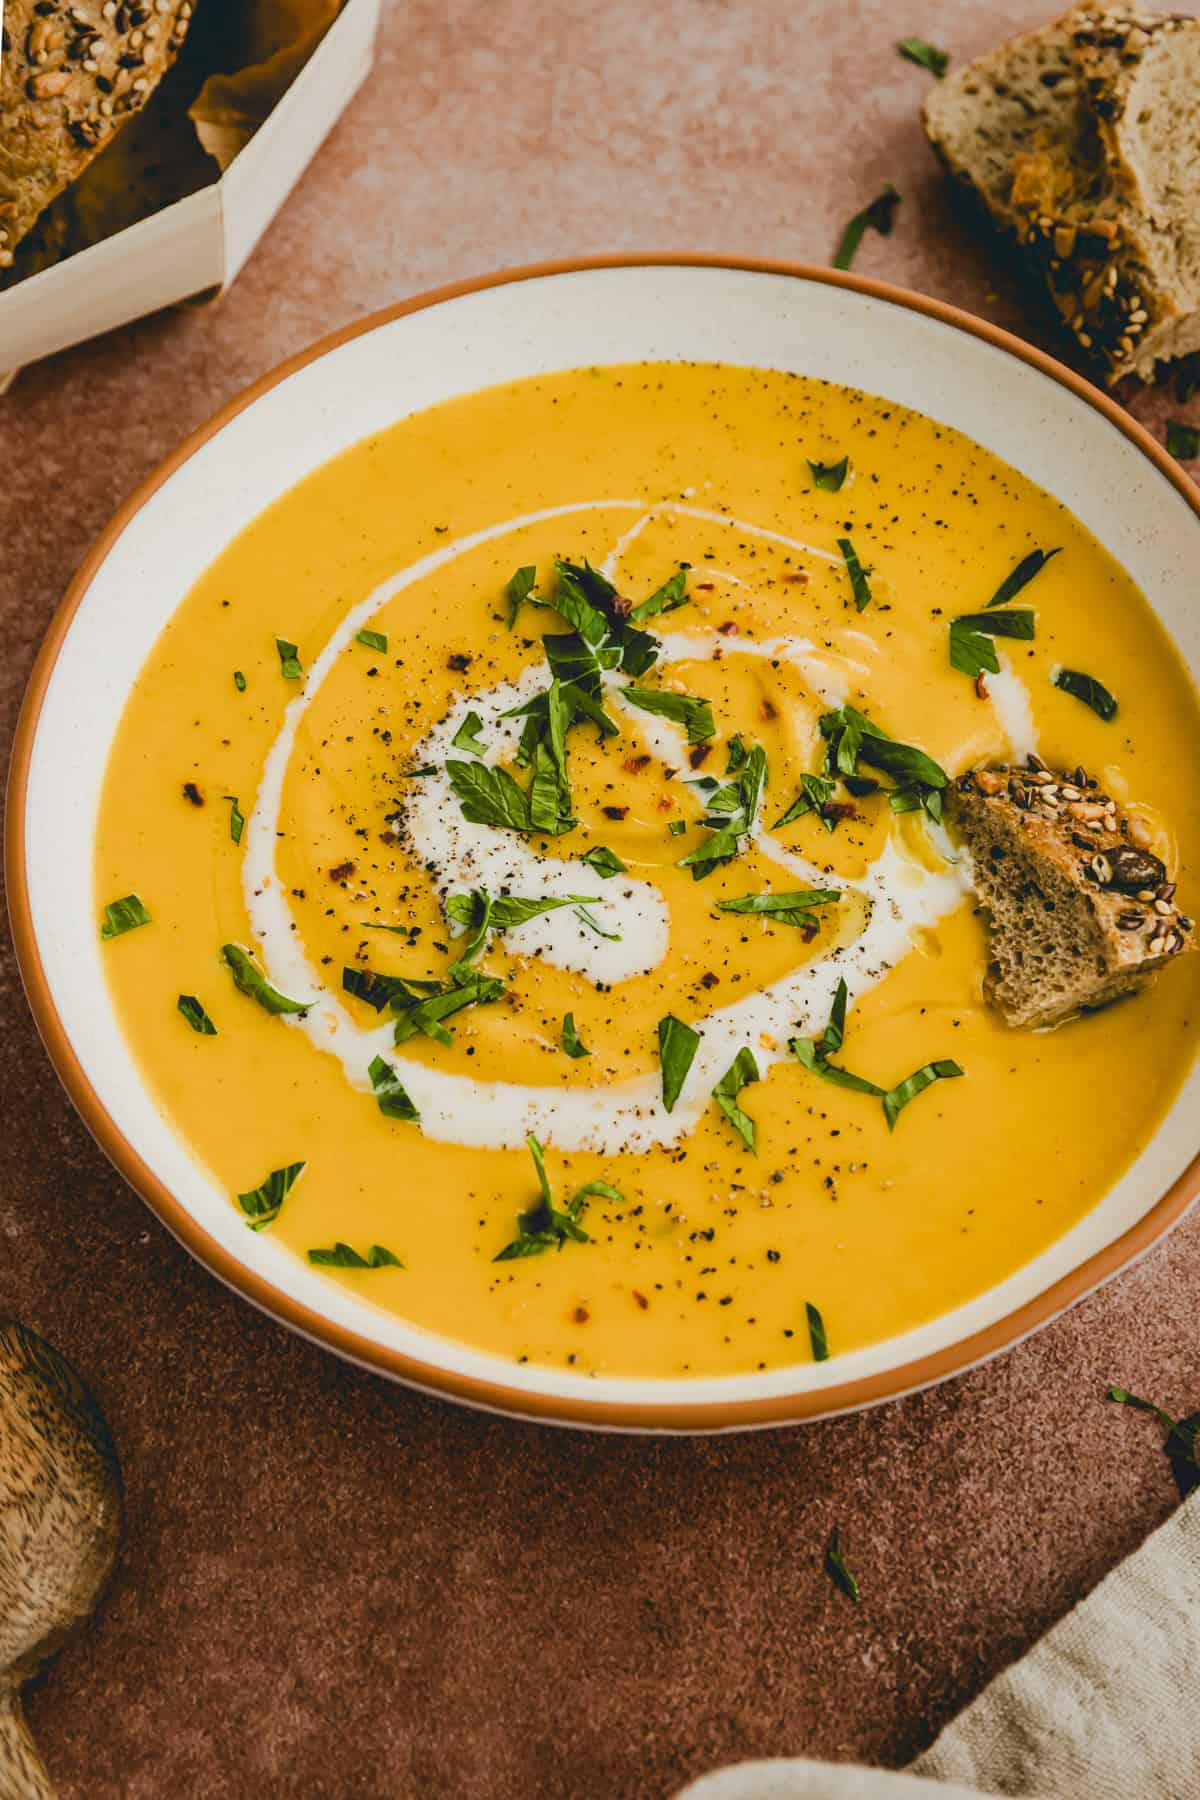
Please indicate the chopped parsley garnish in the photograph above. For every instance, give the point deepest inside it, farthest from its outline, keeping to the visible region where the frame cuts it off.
(343, 1257)
(926, 56)
(543, 1226)
(898, 1097)
(879, 216)
(815, 1053)
(1022, 575)
(572, 1043)
(816, 791)
(239, 681)
(606, 862)
(1183, 441)
(390, 1092)
(424, 1011)
(829, 476)
(835, 1568)
(123, 915)
(696, 716)
(585, 918)
(1083, 687)
(425, 769)
(518, 590)
(732, 811)
(740, 1073)
(478, 913)
(737, 754)
(195, 1015)
(289, 660)
(261, 1205)
(380, 990)
(589, 602)
(677, 827)
(491, 797)
(853, 738)
(788, 909)
(672, 594)
(251, 981)
(859, 584)
(374, 640)
(816, 1333)
(677, 1047)
(467, 736)
(971, 638)
(236, 820)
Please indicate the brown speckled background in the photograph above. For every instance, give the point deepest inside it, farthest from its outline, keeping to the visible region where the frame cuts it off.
(328, 1585)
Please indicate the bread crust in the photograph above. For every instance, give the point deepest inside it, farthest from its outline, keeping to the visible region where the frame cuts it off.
(1081, 914)
(72, 71)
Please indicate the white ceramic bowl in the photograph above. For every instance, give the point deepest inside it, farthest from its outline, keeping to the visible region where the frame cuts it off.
(1028, 410)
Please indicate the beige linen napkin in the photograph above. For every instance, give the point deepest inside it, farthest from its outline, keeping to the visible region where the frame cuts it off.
(1105, 1707)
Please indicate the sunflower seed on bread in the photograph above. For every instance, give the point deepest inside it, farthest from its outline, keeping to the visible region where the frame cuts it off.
(1080, 914)
(71, 72)
(1080, 140)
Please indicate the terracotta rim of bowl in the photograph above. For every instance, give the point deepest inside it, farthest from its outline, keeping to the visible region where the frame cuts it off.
(572, 1410)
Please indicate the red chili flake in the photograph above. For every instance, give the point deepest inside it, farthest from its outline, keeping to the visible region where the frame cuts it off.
(800, 575)
(705, 587)
(633, 765)
(665, 803)
(192, 792)
(614, 812)
(981, 685)
(622, 604)
(728, 628)
(838, 809)
(769, 710)
(460, 662)
(581, 1315)
(710, 980)
(700, 755)
(343, 872)
(641, 1300)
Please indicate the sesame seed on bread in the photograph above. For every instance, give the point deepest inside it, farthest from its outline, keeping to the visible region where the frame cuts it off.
(71, 72)
(1081, 140)
(1080, 913)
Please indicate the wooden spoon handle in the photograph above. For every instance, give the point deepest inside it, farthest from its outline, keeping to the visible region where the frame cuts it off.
(23, 1774)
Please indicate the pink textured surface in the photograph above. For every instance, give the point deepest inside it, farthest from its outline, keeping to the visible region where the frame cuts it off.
(329, 1586)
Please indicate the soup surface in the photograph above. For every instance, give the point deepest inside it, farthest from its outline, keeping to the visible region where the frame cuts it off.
(325, 792)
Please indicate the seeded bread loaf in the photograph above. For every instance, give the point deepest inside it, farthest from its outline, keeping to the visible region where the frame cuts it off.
(1081, 139)
(1080, 914)
(71, 72)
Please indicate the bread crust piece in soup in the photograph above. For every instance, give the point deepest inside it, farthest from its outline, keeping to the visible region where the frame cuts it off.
(694, 1240)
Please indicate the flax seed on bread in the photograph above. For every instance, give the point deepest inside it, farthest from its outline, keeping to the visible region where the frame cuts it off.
(1081, 140)
(71, 72)
(1080, 914)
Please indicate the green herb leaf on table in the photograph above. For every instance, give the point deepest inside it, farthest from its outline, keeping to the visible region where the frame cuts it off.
(816, 792)
(816, 1333)
(672, 594)
(239, 681)
(261, 1205)
(786, 909)
(374, 640)
(237, 821)
(1021, 576)
(898, 1097)
(250, 980)
(971, 647)
(1183, 441)
(1181, 1445)
(829, 476)
(467, 737)
(740, 1073)
(123, 915)
(195, 1015)
(518, 590)
(343, 1257)
(859, 584)
(392, 1096)
(926, 56)
(835, 1568)
(695, 715)
(1083, 687)
(879, 216)
(289, 660)
(677, 1046)
(605, 862)
(572, 1043)
(543, 1226)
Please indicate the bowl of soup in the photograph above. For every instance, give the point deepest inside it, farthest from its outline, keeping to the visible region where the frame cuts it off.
(441, 884)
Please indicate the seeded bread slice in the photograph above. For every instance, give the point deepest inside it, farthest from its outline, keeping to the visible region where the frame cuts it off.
(1079, 913)
(1081, 140)
(70, 74)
